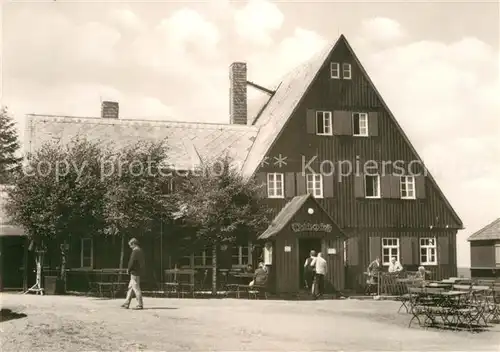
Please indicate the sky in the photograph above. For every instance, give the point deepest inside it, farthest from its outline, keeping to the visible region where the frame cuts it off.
(436, 65)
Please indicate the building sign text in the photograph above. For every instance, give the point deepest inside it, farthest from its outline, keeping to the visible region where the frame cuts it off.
(321, 227)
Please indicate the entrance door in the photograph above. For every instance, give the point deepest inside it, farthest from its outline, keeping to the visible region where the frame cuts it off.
(306, 245)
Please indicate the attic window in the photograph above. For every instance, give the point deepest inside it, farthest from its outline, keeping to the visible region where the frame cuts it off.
(335, 70)
(346, 71)
(324, 123)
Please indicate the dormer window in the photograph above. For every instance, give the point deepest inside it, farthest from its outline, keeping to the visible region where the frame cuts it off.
(335, 70)
(346, 71)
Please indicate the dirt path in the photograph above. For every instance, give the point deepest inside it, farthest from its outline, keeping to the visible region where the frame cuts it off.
(77, 324)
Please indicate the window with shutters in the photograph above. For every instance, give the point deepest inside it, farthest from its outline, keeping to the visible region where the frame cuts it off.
(346, 71)
(275, 185)
(335, 70)
(314, 184)
(428, 251)
(324, 123)
(372, 186)
(390, 249)
(241, 256)
(360, 124)
(407, 187)
(497, 255)
(86, 253)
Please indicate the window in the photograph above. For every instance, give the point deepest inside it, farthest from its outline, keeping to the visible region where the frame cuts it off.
(275, 185)
(242, 255)
(346, 71)
(324, 123)
(390, 248)
(497, 254)
(428, 251)
(314, 184)
(86, 253)
(203, 258)
(360, 124)
(335, 70)
(372, 186)
(407, 187)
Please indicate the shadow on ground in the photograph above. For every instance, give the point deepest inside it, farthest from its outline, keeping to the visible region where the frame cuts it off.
(7, 314)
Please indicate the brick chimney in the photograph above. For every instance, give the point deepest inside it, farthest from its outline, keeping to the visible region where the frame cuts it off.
(238, 93)
(109, 110)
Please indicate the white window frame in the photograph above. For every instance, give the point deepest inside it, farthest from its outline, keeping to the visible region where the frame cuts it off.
(377, 196)
(335, 70)
(326, 116)
(311, 185)
(241, 249)
(407, 187)
(206, 253)
(82, 241)
(388, 243)
(429, 248)
(363, 130)
(346, 71)
(272, 185)
(497, 255)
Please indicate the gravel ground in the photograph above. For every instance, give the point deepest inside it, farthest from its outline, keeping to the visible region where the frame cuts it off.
(69, 323)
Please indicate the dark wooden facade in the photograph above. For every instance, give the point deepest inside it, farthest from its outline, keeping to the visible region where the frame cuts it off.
(485, 259)
(365, 221)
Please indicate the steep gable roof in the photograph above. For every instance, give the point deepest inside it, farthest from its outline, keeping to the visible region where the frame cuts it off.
(489, 232)
(287, 98)
(281, 106)
(189, 143)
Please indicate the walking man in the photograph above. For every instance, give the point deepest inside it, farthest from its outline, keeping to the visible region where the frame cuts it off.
(319, 278)
(136, 266)
(309, 270)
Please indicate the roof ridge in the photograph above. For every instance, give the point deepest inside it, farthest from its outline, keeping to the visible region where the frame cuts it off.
(100, 120)
(483, 229)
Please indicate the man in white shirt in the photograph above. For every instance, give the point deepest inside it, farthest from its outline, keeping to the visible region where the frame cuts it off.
(320, 266)
(395, 266)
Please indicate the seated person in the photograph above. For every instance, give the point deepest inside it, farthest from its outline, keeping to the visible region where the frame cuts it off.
(249, 269)
(420, 273)
(260, 276)
(395, 266)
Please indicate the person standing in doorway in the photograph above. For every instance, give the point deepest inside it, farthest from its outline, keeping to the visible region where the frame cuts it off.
(320, 265)
(136, 266)
(309, 270)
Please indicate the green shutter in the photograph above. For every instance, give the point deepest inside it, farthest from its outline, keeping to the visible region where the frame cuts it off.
(301, 183)
(359, 186)
(420, 186)
(328, 185)
(373, 124)
(375, 248)
(289, 185)
(342, 123)
(443, 249)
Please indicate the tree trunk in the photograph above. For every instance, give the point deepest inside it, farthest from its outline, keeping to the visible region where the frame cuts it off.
(214, 270)
(122, 255)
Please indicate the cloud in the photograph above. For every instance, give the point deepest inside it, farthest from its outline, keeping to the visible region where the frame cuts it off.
(126, 19)
(382, 29)
(257, 21)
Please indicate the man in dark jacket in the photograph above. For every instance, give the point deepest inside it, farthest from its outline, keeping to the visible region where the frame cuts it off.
(136, 266)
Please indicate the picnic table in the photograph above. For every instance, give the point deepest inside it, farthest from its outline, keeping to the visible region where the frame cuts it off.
(107, 281)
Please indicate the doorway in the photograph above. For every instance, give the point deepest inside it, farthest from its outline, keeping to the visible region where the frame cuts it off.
(306, 245)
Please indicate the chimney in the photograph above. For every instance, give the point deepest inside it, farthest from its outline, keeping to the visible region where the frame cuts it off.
(238, 93)
(109, 110)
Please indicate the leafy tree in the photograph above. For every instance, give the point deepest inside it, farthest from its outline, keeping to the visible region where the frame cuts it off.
(222, 207)
(60, 194)
(9, 145)
(138, 201)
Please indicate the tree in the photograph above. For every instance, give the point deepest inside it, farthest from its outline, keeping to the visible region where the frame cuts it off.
(60, 194)
(222, 207)
(9, 146)
(138, 201)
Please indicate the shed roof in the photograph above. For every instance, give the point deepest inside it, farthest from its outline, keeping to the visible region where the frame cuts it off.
(488, 233)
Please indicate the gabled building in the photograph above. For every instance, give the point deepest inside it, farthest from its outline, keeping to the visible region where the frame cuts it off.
(485, 251)
(378, 200)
